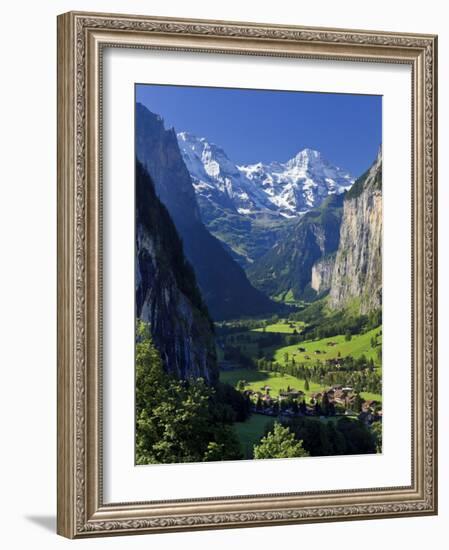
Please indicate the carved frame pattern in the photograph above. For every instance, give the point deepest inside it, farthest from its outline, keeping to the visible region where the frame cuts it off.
(81, 37)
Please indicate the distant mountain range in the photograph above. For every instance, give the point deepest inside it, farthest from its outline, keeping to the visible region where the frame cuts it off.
(285, 189)
(224, 285)
(282, 222)
(253, 208)
(265, 233)
(335, 249)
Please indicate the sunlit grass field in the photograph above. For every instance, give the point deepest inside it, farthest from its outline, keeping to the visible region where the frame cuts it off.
(257, 379)
(360, 344)
(341, 347)
(283, 328)
(370, 396)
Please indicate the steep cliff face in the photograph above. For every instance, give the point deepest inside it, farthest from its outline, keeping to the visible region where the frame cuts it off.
(158, 151)
(167, 296)
(322, 271)
(223, 283)
(357, 275)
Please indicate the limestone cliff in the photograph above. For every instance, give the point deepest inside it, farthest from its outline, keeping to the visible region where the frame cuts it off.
(322, 272)
(167, 296)
(357, 275)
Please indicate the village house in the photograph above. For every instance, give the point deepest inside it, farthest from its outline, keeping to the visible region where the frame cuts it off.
(293, 394)
(369, 405)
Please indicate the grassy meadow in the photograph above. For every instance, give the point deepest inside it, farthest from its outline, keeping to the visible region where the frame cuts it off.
(250, 431)
(282, 328)
(360, 344)
(256, 380)
(279, 343)
(253, 344)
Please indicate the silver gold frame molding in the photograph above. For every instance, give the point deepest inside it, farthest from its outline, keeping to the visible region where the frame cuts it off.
(81, 39)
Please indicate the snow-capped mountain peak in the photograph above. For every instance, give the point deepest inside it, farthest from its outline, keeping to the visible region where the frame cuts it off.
(288, 188)
(217, 178)
(307, 154)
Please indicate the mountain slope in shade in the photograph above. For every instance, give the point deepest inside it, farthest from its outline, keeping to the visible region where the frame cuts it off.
(223, 283)
(286, 269)
(357, 275)
(167, 296)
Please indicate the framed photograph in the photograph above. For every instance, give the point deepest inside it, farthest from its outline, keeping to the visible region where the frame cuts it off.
(246, 274)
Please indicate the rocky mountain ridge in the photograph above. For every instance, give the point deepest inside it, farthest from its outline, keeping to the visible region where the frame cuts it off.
(167, 296)
(287, 189)
(322, 271)
(285, 271)
(357, 274)
(222, 281)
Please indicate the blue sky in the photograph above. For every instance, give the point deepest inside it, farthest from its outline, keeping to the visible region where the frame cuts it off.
(264, 125)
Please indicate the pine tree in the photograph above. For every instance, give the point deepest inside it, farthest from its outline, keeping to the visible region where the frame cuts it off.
(162, 400)
(280, 443)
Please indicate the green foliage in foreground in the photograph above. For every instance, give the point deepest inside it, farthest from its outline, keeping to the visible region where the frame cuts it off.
(344, 436)
(376, 428)
(338, 435)
(176, 420)
(280, 443)
(251, 431)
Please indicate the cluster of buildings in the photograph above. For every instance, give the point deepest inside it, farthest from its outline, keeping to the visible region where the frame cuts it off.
(338, 401)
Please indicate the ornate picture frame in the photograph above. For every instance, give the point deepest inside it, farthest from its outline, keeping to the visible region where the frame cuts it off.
(82, 38)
